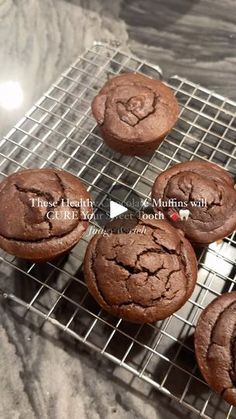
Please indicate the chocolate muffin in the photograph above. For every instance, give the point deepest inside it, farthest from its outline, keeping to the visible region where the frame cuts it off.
(143, 275)
(43, 213)
(215, 345)
(135, 113)
(199, 198)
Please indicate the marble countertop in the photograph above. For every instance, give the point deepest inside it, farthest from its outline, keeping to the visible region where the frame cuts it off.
(43, 376)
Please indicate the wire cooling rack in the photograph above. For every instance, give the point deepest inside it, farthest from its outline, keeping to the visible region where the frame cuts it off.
(59, 131)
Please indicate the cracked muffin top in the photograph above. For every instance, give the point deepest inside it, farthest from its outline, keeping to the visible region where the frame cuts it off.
(206, 191)
(42, 213)
(133, 109)
(141, 277)
(215, 345)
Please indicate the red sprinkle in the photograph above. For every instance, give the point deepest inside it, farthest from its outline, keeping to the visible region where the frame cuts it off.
(175, 216)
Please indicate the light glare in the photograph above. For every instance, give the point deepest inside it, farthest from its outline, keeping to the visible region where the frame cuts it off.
(11, 95)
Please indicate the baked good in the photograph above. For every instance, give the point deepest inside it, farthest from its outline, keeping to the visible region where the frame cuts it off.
(43, 213)
(215, 345)
(143, 275)
(135, 113)
(199, 198)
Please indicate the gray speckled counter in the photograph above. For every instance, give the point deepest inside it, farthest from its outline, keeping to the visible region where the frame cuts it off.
(43, 375)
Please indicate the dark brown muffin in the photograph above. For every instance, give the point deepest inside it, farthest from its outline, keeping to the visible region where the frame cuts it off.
(42, 213)
(135, 113)
(141, 277)
(209, 186)
(215, 345)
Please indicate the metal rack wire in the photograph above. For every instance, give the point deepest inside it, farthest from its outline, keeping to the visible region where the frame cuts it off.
(60, 131)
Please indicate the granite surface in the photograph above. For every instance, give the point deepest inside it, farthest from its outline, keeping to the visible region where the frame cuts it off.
(43, 375)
